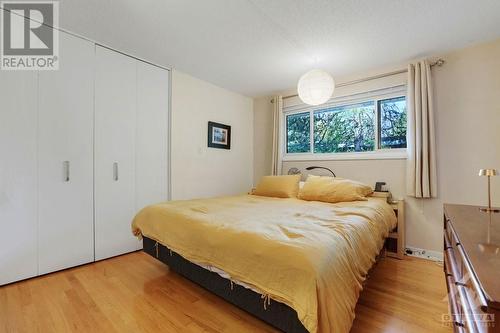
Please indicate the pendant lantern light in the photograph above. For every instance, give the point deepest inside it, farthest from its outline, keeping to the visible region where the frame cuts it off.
(315, 87)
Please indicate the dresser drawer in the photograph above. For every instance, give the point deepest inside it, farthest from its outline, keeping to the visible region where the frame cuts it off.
(452, 243)
(452, 254)
(457, 306)
(470, 290)
(456, 315)
(468, 297)
(461, 312)
(467, 276)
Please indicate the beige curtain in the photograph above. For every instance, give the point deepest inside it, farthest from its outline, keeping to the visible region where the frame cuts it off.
(277, 112)
(421, 162)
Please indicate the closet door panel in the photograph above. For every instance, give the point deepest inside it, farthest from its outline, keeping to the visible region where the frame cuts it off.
(115, 130)
(18, 175)
(152, 135)
(66, 108)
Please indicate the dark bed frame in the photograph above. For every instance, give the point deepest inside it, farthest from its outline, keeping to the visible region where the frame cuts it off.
(276, 314)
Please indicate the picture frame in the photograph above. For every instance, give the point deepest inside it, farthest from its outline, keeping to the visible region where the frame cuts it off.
(219, 135)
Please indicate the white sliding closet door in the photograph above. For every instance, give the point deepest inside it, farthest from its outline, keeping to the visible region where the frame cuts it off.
(18, 175)
(115, 132)
(66, 113)
(152, 135)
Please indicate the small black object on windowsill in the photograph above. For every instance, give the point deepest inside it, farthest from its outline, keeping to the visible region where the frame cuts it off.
(318, 167)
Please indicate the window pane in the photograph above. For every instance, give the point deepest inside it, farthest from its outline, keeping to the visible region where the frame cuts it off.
(392, 122)
(349, 128)
(298, 133)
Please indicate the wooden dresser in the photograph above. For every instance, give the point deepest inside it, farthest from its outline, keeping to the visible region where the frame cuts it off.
(472, 268)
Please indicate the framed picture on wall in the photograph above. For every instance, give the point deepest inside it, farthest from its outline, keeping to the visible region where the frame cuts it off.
(219, 135)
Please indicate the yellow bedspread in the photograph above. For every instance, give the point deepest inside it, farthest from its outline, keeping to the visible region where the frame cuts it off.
(310, 255)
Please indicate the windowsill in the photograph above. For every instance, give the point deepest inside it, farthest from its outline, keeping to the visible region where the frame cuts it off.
(396, 154)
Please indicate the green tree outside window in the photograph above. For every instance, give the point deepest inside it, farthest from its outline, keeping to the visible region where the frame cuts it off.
(298, 133)
(349, 128)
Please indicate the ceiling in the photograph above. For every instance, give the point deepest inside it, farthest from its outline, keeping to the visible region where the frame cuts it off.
(257, 47)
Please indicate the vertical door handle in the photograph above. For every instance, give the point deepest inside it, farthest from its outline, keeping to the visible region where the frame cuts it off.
(115, 171)
(66, 171)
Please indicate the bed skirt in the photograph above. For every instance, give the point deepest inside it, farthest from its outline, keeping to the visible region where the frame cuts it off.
(276, 314)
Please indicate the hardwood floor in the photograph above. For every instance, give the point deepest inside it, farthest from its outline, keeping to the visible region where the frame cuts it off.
(403, 296)
(136, 293)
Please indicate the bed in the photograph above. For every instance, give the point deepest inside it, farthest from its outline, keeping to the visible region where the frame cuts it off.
(298, 265)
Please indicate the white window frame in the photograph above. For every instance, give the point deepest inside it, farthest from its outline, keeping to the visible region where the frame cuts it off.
(371, 96)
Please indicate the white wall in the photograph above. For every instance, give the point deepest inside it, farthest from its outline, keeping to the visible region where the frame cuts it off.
(467, 100)
(199, 171)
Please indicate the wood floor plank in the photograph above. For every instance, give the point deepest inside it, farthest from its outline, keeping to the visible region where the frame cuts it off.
(136, 293)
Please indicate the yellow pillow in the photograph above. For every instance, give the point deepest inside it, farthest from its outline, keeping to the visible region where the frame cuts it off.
(330, 189)
(278, 186)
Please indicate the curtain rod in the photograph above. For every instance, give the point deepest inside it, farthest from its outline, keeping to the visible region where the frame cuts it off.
(439, 63)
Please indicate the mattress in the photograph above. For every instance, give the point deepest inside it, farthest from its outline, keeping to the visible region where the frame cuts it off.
(227, 276)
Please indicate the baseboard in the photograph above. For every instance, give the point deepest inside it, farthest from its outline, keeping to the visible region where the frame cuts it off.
(424, 254)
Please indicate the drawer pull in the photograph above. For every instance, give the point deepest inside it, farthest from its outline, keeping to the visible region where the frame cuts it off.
(115, 171)
(66, 171)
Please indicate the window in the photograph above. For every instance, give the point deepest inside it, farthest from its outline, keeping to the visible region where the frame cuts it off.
(369, 125)
(298, 133)
(392, 120)
(345, 128)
